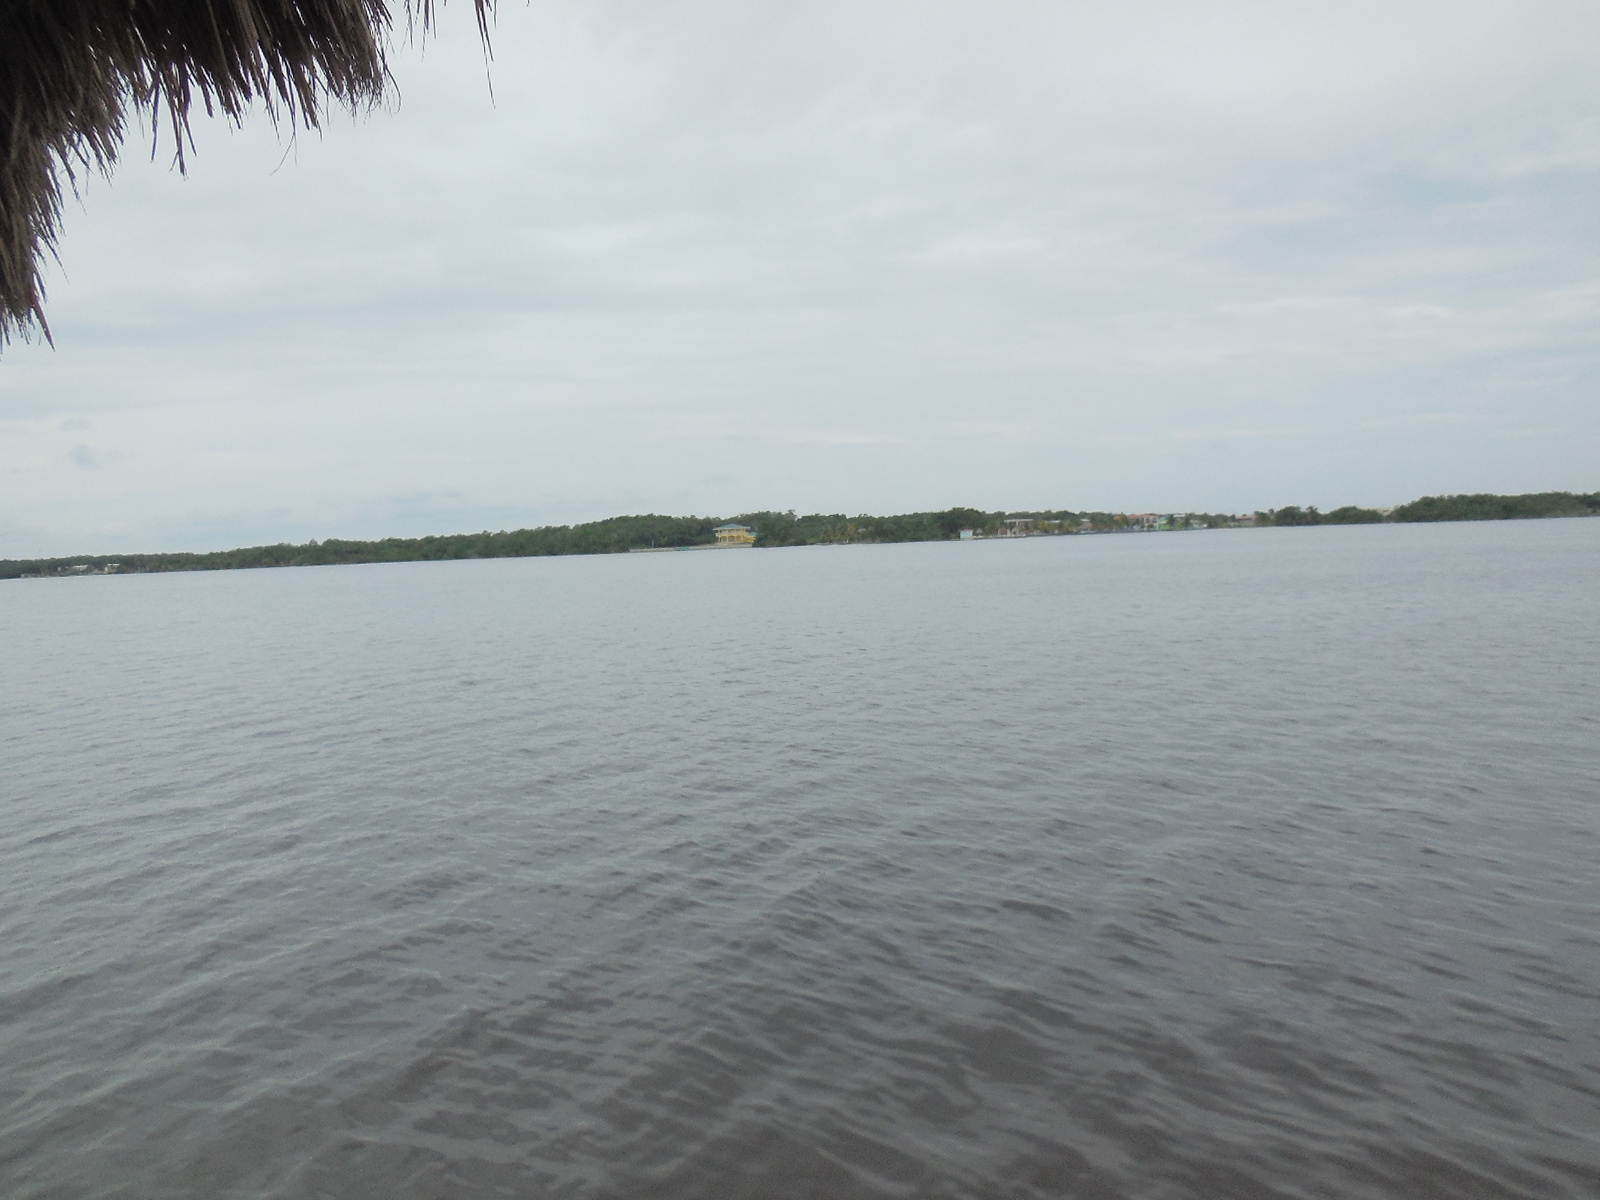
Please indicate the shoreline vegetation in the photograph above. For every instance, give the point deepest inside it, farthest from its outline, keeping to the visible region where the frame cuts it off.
(616, 535)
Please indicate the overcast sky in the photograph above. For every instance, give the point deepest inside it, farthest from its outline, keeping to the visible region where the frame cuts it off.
(842, 257)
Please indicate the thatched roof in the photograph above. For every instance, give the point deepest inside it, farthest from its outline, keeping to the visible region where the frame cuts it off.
(72, 70)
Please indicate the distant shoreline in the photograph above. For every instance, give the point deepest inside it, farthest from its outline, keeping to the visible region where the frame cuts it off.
(651, 532)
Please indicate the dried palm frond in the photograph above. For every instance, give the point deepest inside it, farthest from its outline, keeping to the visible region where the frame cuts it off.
(70, 71)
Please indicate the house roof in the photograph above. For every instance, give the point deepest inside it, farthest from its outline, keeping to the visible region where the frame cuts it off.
(729, 525)
(74, 76)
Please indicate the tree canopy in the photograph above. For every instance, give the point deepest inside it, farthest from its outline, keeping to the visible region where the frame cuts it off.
(1482, 506)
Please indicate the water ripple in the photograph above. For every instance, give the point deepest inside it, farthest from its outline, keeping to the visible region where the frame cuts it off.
(1238, 865)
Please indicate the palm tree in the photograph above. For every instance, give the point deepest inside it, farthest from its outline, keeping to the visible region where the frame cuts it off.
(72, 70)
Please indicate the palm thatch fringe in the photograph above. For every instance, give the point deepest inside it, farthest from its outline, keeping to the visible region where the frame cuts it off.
(70, 71)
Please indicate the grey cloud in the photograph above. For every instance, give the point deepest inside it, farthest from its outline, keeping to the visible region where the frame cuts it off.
(1114, 255)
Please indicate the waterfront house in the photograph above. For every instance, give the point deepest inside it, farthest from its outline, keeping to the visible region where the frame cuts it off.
(734, 535)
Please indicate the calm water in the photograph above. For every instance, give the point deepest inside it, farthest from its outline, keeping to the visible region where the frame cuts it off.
(1235, 864)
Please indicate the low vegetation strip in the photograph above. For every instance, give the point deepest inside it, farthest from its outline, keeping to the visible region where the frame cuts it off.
(620, 534)
(1485, 507)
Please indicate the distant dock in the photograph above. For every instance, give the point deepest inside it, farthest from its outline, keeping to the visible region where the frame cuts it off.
(702, 546)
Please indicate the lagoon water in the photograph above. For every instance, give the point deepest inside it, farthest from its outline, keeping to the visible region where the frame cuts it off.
(1240, 864)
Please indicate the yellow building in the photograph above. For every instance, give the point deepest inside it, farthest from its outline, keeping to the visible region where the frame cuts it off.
(734, 535)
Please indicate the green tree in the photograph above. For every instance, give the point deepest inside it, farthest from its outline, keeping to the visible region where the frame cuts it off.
(953, 520)
(1349, 514)
(1484, 506)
